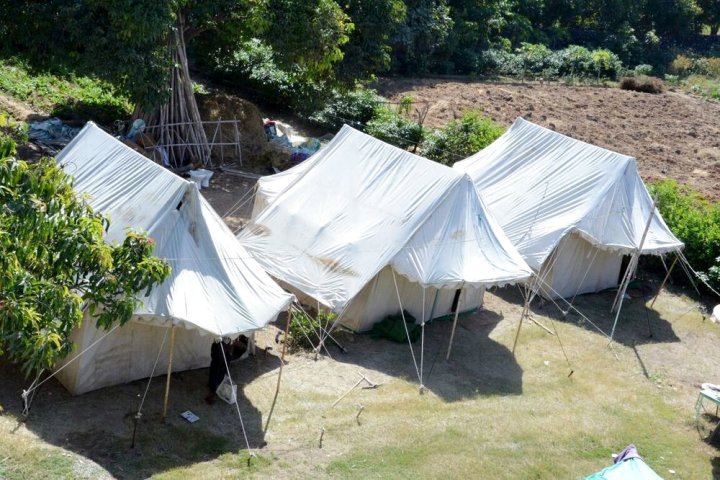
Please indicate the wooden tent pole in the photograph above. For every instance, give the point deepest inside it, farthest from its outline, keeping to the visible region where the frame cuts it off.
(634, 261)
(452, 333)
(631, 268)
(522, 317)
(667, 276)
(169, 371)
(282, 363)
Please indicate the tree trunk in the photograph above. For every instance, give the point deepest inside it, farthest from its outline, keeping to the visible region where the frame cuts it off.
(176, 126)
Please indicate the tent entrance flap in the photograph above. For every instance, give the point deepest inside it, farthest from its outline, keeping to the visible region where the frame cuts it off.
(579, 267)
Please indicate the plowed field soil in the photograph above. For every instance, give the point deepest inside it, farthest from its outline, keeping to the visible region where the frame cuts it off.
(671, 134)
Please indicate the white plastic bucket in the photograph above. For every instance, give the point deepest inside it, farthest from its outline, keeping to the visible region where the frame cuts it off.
(201, 176)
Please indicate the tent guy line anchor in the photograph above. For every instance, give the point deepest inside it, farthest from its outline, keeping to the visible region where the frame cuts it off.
(363, 378)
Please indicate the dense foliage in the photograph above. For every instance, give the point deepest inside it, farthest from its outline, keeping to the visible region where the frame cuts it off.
(355, 108)
(67, 96)
(693, 220)
(295, 52)
(461, 138)
(54, 263)
(305, 330)
(537, 60)
(396, 128)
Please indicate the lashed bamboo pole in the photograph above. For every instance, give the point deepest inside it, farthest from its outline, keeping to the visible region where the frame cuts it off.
(169, 372)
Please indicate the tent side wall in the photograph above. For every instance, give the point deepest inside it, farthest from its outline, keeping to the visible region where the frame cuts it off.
(128, 354)
(260, 201)
(579, 267)
(378, 299)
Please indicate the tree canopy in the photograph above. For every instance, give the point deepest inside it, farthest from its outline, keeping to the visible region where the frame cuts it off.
(54, 264)
(293, 49)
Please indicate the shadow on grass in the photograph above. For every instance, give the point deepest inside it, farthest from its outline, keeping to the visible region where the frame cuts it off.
(715, 462)
(637, 324)
(478, 365)
(99, 425)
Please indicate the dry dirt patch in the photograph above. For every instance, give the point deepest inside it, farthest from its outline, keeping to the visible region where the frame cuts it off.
(671, 135)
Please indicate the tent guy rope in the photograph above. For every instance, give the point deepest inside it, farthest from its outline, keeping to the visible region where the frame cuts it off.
(26, 393)
(138, 415)
(407, 333)
(237, 407)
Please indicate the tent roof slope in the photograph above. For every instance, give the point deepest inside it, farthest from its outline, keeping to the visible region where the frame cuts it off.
(361, 204)
(215, 286)
(542, 185)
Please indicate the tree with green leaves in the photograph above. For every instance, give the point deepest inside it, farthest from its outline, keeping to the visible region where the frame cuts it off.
(461, 138)
(368, 51)
(128, 42)
(710, 15)
(426, 28)
(55, 264)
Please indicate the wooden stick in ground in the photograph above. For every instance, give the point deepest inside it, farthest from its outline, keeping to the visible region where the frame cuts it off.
(630, 270)
(282, 362)
(348, 392)
(452, 333)
(667, 276)
(169, 372)
(537, 322)
(522, 316)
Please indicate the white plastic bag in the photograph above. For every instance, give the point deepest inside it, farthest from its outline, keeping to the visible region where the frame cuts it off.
(227, 391)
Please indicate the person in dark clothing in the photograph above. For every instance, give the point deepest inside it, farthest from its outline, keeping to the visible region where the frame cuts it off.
(239, 348)
(217, 366)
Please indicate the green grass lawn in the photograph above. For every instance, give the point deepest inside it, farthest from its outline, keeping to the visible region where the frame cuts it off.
(485, 414)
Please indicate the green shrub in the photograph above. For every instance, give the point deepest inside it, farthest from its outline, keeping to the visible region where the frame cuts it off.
(17, 131)
(575, 61)
(255, 67)
(395, 129)
(713, 67)
(500, 62)
(538, 60)
(643, 70)
(304, 330)
(672, 79)
(606, 64)
(703, 86)
(693, 220)
(461, 138)
(714, 274)
(535, 60)
(684, 66)
(642, 84)
(356, 108)
(7, 146)
(681, 65)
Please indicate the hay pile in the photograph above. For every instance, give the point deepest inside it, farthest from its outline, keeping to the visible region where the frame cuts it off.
(256, 151)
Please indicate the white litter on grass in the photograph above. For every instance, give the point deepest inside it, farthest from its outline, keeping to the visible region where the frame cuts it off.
(189, 416)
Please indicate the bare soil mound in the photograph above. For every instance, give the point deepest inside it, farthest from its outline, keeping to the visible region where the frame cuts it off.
(256, 151)
(671, 135)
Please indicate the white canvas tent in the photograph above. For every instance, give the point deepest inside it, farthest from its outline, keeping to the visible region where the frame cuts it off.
(215, 289)
(572, 209)
(339, 226)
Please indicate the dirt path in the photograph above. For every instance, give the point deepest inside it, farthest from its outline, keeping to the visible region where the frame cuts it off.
(17, 109)
(672, 135)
